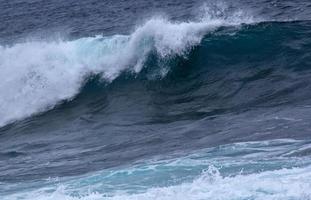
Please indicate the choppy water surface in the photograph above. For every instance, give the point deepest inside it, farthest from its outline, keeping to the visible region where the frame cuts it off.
(155, 99)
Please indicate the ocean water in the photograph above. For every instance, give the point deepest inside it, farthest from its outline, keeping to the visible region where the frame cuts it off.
(156, 99)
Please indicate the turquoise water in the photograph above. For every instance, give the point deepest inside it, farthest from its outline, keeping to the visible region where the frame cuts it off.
(273, 169)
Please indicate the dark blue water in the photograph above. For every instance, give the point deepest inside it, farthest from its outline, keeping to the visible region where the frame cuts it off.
(155, 99)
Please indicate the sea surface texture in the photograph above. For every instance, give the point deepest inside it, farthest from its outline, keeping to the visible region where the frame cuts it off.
(155, 100)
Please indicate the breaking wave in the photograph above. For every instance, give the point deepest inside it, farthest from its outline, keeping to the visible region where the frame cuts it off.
(37, 75)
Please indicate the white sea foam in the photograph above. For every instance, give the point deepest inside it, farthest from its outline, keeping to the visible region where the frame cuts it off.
(37, 75)
(293, 184)
(255, 172)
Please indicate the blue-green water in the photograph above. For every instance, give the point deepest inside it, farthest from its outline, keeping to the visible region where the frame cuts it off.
(273, 169)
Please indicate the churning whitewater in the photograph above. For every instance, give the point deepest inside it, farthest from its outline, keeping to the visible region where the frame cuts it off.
(201, 175)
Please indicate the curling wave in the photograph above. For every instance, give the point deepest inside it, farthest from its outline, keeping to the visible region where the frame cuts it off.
(35, 76)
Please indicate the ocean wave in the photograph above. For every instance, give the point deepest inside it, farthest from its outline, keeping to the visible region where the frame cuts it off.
(37, 75)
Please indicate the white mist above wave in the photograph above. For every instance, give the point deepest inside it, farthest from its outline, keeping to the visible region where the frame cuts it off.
(37, 75)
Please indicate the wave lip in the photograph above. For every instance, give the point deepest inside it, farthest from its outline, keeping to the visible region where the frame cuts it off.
(35, 76)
